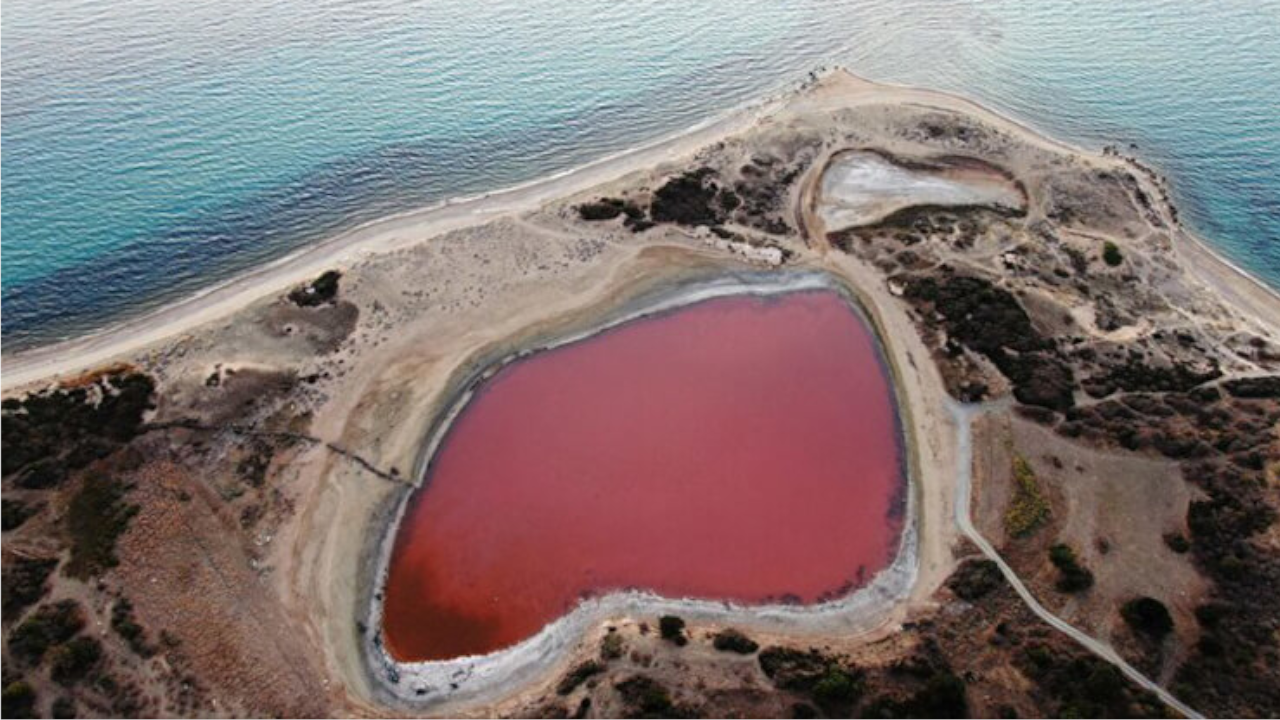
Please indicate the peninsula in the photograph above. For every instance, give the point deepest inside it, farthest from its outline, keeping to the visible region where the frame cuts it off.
(864, 399)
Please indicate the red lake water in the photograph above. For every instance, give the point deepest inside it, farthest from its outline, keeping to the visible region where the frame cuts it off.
(741, 448)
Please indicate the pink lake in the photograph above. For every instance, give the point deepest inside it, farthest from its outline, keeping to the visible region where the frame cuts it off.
(742, 448)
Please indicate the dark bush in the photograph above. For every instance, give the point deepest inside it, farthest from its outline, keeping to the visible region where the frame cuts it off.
(672, 629)
(123, 622)
(1147, 616)
(63, 708)
(320, 291)
(1254, 387)
(644, 697)
(96, 517)
(66, 429)
(1084, 686)
(19, 700)
(610, 208)
(1111, 254)
(691, 199)
(943, 696)
(16, 513)
(25, 583)
(838, 689)
(991, 321)
(48, 626)
(1177, 542)
(975, 578)
(1073, 577)
(793, 669)
(730, 640)
(72, 662)
(578, 675)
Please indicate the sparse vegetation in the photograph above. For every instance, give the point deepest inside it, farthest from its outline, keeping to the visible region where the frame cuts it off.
(1028, 509)
(318, 292)
(975, 578)
(1073, 577)
(96, 517)
(672, 629)
(1148, 617)
(731, 640)
(611, 647)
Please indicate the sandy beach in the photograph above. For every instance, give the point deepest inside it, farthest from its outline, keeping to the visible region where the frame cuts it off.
(838, 89)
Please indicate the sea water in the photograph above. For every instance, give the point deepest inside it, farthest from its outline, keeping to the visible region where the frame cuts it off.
(153, 147)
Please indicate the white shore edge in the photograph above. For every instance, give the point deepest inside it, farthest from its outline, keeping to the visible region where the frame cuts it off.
(486, 678)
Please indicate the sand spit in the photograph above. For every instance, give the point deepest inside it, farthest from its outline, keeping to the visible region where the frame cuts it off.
(487, 678)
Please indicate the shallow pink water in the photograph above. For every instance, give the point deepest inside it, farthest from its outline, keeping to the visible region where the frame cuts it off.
(740, 448)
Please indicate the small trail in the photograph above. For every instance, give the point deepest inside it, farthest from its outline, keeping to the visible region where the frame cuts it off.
(963, 415)
(247, 430)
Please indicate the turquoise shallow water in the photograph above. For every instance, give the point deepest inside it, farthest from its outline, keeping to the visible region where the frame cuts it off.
(151, 147)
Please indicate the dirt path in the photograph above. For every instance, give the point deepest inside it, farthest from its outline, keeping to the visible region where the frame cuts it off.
(963, 415)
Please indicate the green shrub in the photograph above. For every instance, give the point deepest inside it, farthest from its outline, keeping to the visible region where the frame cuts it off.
(1111, 254)
(1028, 509)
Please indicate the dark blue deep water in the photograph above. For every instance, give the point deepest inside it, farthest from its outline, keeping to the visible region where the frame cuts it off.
(151, 147)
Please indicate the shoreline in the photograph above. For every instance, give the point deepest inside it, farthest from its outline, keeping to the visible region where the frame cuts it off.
(472, 680)
(72, 356)
(30, 365)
